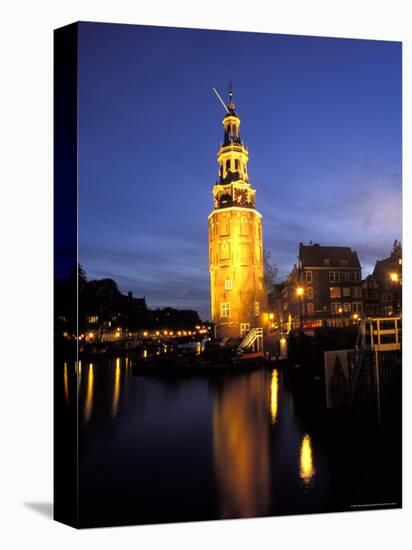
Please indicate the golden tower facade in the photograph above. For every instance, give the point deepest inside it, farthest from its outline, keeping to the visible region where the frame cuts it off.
(235, 239)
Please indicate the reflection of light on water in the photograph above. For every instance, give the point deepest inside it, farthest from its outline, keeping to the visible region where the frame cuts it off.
(116, 389)
(274, 395)
(307, 471)
(283, 348)
(78, 369)
(241, 447)
(66, 383)
(145, 354)
(89, 395)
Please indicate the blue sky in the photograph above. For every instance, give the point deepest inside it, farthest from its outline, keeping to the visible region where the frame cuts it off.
(321, 118)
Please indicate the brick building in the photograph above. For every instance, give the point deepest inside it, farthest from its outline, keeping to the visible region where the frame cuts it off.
(331, 287)
(388, 276)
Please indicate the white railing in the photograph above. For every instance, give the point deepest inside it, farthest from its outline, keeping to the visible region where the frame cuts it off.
(254, 338)
(380, 334)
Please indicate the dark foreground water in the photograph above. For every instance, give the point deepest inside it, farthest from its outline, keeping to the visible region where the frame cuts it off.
(255, 444)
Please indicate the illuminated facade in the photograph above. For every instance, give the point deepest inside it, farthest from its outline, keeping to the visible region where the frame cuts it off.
(235, 239)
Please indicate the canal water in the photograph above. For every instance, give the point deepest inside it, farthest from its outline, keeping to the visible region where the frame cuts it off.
(207, 447)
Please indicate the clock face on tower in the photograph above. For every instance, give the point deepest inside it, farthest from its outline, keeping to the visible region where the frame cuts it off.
(241, 196)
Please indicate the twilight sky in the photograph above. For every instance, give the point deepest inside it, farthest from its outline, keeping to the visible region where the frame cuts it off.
(321, 118)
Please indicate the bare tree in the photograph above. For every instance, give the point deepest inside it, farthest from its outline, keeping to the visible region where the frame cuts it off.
(270, 271)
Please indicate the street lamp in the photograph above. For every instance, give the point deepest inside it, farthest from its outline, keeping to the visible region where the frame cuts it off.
(394, 277)
(299, 292)
(397, 294)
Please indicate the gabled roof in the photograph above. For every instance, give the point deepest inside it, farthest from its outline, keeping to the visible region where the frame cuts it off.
(315, 255)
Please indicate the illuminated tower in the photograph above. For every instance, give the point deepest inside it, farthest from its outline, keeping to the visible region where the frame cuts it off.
(235, 239)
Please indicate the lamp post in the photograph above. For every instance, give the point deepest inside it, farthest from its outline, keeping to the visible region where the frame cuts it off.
(299, 292)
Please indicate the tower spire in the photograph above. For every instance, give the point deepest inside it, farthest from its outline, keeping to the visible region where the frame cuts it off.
(231, 106)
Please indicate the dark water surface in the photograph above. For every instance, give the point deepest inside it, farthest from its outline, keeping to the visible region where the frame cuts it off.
(208, 447)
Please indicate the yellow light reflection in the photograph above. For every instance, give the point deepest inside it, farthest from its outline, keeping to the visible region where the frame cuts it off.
(241, 447)
(66, 383)
(89, 395)
(116, 389)
(78, 369)
(145, 354)
(307, 470)
(274, 396)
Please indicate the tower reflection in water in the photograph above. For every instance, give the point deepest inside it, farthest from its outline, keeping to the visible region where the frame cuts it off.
(241, 446)
(307, 470)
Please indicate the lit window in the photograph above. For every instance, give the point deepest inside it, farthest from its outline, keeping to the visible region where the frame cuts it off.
(225, 309)
(334, 292)
(326, 261)
(309, 293)
(347, 307)
(244, 328)
(335, 307)
(257, 309)
(308, 276)
(346, 291)
(334, 276)
(228, 284)
(310, 308)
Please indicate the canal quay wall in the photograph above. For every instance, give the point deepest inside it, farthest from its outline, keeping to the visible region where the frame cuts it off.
(367, 382)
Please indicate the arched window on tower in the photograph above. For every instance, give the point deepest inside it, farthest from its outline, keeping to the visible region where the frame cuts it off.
(237, 165)
(228, 165)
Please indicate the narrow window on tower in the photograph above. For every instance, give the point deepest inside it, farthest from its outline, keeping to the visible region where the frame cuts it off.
(244, 226)
(228, 284)
(225, 251)
(225, 309)
(257, 309)
(228, 165)
(236, 164)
